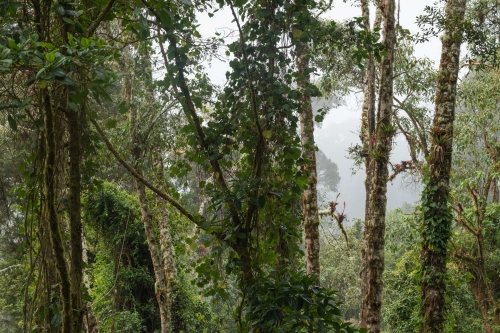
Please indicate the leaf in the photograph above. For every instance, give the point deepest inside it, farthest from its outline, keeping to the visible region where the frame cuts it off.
(85, 42)
(267, 134)
(29, 82)
(50, 57)
(296, 33)
(187, 2)
(165, 18)
(13, 45)
(111, 123)
(12, 122)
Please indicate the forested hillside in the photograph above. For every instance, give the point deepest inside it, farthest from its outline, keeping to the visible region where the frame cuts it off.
(143, 191)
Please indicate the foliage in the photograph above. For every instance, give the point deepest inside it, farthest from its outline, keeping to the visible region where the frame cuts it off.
(294, 304)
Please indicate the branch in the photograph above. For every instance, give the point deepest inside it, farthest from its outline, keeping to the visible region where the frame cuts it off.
(247, 69)
(196, 220)
(99, 19)
(6, 269)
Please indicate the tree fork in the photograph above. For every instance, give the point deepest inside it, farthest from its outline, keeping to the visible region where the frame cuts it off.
(373, 257)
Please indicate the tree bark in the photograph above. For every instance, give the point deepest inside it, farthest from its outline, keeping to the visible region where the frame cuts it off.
(379, 174)
(435, 196)
(50, 206)
(75, 221)
(366, 135)
(310, 195)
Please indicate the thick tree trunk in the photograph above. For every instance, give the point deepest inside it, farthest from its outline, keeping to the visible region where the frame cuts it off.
(377, 184)
(310, 196)
(50, 206)
(435, 196)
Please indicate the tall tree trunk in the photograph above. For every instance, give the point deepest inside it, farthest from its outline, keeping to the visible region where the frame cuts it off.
(435, 196)
(310, 196)
(75, 208)
(163, 296)
(161, 287)
(366, 135)
(379, 173)
(50, 204)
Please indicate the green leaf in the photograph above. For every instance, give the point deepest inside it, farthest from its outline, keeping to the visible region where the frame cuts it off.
(13, 45)
(85, 42)
(296, 33)
(187, 2)
(50, 57)
(12, 122)
(29, 82)
(166, 18)
(111, 123)
(267, 134)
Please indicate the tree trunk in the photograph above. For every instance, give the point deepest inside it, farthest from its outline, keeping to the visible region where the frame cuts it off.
(161, 287)
(161, 283)
(435, 196)
(378, 171)
(50, 206)
(75, 208)
(310, 196)
(366, 135)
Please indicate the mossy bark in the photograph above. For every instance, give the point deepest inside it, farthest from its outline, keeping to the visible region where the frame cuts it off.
(56, 238)
(435, 196)
(310, 195)
(378, 174)
(366, 135)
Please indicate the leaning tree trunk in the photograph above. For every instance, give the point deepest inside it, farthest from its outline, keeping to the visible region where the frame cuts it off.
(379, 173)
(163, 295)
(366, 135)
(435, 196)
(310, 196)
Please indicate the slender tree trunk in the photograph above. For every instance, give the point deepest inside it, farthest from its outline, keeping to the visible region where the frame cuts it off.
(161, 283)
(366, 135)
(310, 196)
(161, 287)
(50, 204)
(75, 208)
(379, 174)
(435, 196)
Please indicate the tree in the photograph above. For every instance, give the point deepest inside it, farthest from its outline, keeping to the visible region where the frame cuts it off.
(475, 190)
(379, 132)
(435, 196)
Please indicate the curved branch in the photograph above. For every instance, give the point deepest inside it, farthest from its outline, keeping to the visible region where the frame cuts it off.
(195, 219)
